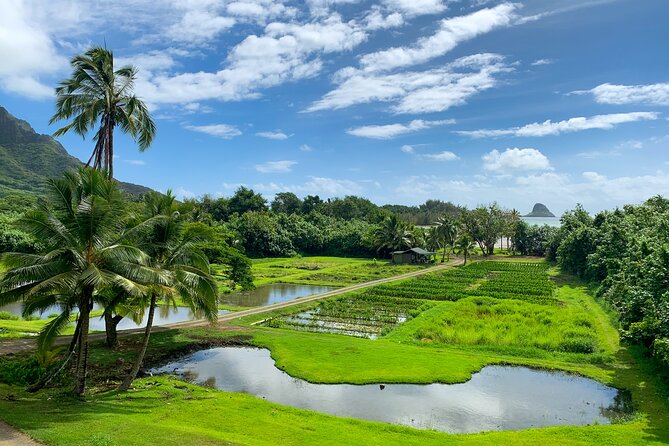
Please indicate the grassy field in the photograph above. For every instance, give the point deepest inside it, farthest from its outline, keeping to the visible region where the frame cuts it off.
(177, 413)
(329, 271)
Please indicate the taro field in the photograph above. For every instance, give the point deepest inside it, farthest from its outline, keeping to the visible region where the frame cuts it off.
(376, 311)
(501, 280)
(354, 314)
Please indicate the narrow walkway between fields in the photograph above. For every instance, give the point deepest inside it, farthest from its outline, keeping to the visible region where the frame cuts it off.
(22, 345)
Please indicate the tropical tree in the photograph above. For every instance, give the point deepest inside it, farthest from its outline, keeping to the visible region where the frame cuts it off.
(392, 234)
(78, 225)
(174, 252)
(447, 231)
(513, 219)
(96, 93)
(464, 245)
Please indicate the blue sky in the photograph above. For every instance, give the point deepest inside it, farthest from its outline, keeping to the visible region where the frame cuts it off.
(395, 100)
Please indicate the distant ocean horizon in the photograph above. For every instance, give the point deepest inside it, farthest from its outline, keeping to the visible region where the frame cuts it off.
(540, 221)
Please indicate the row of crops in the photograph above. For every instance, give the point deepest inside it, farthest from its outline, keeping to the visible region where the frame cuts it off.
(501, 280)
(353, 314)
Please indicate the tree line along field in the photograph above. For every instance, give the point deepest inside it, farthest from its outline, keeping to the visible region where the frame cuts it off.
(443, 339)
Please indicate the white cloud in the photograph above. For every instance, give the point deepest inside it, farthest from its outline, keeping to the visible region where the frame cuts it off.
(275, 166)
(198, 26)
(306, 148)
(593, 177)
(224, 131)
(549, 128)
(182, 193)
(322, 186)
(136, 162)
(390, 131)
(653, 94)
(375, 19)
(441, 156)
(408, 149)
(540, 62)
(514, 160)
(452, 31)
(432, 90)
(259, 10)
(273, 135)
(285, 52)
(27, 52)
(416, 7)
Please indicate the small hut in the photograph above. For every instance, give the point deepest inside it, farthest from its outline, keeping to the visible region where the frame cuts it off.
(413, 255)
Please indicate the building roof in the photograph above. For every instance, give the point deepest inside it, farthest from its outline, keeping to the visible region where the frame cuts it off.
(419, 251)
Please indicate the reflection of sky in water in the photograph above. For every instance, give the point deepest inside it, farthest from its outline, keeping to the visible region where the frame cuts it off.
(497, 398)
(163, 315)
(274, 293)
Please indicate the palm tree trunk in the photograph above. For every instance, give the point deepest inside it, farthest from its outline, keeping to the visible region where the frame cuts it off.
(443, 257)
(110, 147)
(45, 380)
(82, 357)
(111, 322)
(125, 385)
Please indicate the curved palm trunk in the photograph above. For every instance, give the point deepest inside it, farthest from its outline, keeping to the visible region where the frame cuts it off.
(72, 349)
(125, 385)
(111, 324)
(82, 356)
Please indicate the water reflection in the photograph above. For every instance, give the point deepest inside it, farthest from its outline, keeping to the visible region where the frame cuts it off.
(274, 293)
(163, 315)
(497, 398)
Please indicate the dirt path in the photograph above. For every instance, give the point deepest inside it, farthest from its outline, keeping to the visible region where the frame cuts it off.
(12, 437)
(23, 345)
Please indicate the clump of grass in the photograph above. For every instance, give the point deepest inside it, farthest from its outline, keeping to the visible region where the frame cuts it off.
(7, 316)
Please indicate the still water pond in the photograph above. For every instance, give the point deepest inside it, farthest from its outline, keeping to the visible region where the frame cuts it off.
(274, 293)
(164, 315)
(497, 398)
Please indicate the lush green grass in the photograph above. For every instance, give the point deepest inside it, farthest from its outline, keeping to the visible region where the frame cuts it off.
(12, 327)
(494, 322)
(168, 412)
(334, 271)
(176, 413)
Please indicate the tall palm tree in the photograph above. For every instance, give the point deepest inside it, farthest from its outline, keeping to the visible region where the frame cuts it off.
(78, 224)
(514, 219)
(447, 231)
(174, 251)
(97, 93)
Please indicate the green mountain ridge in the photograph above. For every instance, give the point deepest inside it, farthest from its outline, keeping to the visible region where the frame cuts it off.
(28, 159)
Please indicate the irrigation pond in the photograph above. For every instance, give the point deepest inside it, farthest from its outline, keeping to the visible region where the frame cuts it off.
(496, 398)
(272, 294)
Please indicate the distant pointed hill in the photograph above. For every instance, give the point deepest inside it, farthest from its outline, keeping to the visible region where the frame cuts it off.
(28, 159)
(540, 210)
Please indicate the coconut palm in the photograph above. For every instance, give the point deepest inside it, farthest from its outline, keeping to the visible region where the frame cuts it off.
(447, 232)
(78, 224)
(392, 234)
(514, 218)
(464, 245)
(97, 93)
(175, 252)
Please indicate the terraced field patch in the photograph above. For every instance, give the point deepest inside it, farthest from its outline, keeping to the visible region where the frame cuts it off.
(353, 314)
